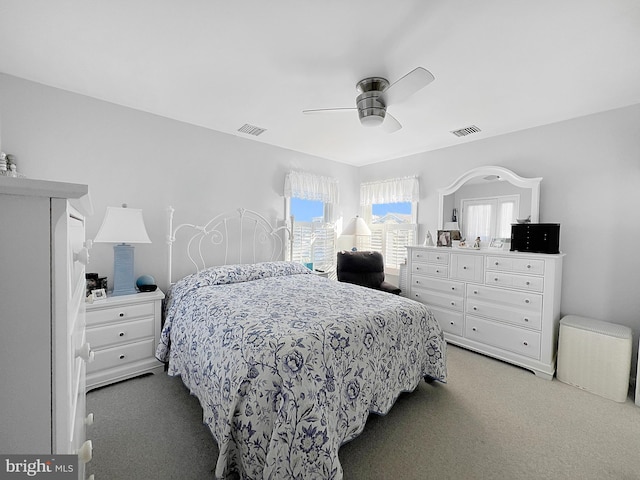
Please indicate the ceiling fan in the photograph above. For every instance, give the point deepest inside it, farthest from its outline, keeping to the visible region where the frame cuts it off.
(376, 94)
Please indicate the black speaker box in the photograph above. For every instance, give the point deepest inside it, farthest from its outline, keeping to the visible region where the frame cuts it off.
(535, 237)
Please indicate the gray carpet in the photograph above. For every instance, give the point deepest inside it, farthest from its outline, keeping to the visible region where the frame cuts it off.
(490, 421)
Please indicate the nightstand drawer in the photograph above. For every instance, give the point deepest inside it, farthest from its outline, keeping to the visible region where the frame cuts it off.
(124, 312)
(122, 355)
(120, 332)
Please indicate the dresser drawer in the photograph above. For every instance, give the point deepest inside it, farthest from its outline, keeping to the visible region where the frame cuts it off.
(124, 312)
(524, 282)
(517, 340)
(443, 286)
(120, 332)
(529, 301)
(450, 321)
(518, 265)
(440, 258)
(430, 269)
(122, 355)
(430, 297)
(467, 267)
(521, 318)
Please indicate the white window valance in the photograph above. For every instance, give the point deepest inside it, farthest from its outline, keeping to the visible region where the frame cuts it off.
(311, 187)
(394, 190)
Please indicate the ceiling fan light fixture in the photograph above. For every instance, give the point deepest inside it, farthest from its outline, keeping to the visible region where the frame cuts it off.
(371, 119)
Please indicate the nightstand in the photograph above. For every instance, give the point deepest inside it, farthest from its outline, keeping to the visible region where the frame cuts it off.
(123, 332)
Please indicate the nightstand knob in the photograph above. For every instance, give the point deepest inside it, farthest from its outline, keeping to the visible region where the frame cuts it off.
(85, 452)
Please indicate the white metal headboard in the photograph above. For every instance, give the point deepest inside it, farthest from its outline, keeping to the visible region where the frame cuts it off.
(239, 236)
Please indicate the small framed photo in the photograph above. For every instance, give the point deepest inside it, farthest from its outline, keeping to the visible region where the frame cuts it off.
(444, 238)
(98, 295)
(499, 243)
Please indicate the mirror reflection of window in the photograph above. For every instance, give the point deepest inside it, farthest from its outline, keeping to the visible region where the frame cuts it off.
(488, 218)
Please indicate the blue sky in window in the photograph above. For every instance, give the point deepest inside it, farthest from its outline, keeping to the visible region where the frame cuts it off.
(306, 210)
(381, 209)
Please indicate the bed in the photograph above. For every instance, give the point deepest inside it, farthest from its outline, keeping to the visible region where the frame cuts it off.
(287, 365)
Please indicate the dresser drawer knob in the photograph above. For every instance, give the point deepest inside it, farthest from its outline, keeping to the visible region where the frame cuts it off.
(528, 266)
(526, 319)
(497, 263)
(464, 268)
(475, 309)
(417, 295)
(88, 420)
(121, 314)
(437, 258)
(453, 304)
(475, 292)
(453, 288)
(121, 357)
(527, 283)
(525, 344)
(437, 271)
(451, 323)
(85, 452)
(121, 334)
(495, 279)
(527, 300)
(474, 329)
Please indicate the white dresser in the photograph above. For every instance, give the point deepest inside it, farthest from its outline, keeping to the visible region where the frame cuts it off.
(499, 303)
(123, 332)
(42, 289)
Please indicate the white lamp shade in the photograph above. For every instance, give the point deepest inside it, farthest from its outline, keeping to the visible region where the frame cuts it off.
(356, 226)
(122, 225)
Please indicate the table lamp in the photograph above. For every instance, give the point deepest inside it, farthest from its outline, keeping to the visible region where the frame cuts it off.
(123, 226)
(359, 229)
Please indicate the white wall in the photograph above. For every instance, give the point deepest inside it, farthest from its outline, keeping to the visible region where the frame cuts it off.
(591, 186)
(148, 162)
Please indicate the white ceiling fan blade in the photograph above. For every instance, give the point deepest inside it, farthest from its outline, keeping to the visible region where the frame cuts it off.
(328, 110)
(405, 87)
(390, 124)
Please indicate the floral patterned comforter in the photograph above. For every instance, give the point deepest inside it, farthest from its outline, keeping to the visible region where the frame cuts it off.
(288, 365)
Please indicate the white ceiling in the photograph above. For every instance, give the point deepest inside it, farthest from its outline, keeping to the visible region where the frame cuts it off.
(502, 65)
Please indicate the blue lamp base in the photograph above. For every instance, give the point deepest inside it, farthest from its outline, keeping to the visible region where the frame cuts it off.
(123, 281)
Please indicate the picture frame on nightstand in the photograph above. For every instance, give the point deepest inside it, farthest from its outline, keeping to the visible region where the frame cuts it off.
(98, 295)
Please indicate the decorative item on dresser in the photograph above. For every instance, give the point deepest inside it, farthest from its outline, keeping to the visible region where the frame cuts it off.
(123, 332)
(505, 305)
(42, 296)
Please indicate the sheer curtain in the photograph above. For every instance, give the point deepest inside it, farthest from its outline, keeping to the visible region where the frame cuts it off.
(395, 190)
(311, 187)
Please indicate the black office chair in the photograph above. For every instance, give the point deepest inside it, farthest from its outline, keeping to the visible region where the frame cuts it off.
(364, 268)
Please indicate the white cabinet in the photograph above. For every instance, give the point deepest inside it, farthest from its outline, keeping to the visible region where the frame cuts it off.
(43, 348)
(123, 332)
(502, 304)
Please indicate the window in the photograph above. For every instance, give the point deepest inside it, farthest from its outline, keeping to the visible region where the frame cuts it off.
(313, 237)
(488, 218)
(310, 200)
(392, 229)
(390, 209)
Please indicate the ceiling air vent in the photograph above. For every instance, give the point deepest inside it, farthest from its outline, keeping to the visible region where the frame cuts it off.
(251, 129)
(463, 132)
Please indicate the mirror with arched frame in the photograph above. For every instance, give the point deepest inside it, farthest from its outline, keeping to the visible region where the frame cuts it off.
(482, 183)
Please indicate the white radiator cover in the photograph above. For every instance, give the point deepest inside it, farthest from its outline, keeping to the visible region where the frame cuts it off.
(595, 356)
